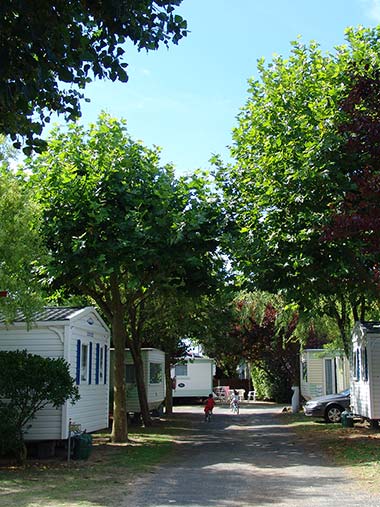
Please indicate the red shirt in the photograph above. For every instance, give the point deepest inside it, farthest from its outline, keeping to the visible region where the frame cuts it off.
(210, 404)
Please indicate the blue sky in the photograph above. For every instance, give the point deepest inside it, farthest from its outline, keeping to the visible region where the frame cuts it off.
(185, 99)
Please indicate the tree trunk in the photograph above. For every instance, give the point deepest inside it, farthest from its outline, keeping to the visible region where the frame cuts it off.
(362, 309)
(119, 426)
(342, 319)
(140, 383)
(135, 312)
(169, 387)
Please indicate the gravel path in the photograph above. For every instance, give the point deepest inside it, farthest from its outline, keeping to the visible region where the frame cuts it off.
(245, 460)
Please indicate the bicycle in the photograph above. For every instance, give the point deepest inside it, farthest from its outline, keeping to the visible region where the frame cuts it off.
(235, 407)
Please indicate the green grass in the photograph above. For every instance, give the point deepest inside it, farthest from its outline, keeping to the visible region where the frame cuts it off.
(99, 482)
(357, 448)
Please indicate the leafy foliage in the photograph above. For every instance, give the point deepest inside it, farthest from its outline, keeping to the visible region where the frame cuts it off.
(20, 246)
(295, 165)
(28, 383)
(355, 219)
(259, 328)
(48, 46)
(122, 230)
(211, 327)
(265, 333)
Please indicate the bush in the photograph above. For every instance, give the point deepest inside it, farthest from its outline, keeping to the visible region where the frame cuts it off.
(11, 441)
(28, 383)
(272, 388)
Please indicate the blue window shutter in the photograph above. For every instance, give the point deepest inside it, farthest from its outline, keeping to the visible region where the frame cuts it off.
(105, 364)
(97, 364)
(77, 379)
(90, 364)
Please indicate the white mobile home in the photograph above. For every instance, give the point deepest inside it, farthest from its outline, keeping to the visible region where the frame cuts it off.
(80, 336)
(323, 372)
(365, 370)
(154, 377)
(193, 377)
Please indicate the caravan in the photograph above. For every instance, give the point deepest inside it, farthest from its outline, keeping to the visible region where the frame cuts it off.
(154, 378)
(323, 372)
(193, 377)
(81, 337)
(365, 377)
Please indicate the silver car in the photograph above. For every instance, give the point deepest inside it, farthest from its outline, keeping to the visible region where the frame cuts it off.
(330, 407)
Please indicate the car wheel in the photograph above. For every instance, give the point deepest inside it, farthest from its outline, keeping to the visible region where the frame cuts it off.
(333, 414)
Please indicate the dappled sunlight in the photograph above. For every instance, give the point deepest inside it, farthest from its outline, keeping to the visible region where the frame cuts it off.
(243, 468)
(69, 503)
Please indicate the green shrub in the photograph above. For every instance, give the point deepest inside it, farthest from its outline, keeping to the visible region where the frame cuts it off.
(11, 441)
(28, 383)
(272, 388)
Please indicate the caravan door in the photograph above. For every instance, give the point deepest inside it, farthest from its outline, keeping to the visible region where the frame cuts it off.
(330, 376)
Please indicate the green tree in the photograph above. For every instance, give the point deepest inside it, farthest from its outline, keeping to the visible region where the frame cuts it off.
(169, 318)
(50, 51)
(28, 383)
(289, 176)
(179, 317)
(265, 328)
(121, 229)
(20, 246)
(212, 321)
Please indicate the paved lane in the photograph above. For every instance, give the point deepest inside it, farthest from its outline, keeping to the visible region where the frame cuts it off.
(246, 460)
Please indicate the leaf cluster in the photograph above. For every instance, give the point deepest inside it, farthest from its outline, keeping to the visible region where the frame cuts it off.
(50, 51)
(290, 172)
(20, 244)
(29, 382)
(115, 221)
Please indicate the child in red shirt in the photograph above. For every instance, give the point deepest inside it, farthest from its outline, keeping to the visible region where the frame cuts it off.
(209, 405)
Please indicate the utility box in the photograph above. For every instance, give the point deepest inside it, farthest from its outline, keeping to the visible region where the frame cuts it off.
(82, 446)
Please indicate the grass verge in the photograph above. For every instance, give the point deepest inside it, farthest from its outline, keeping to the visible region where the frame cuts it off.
(100, 481)
(357, 448)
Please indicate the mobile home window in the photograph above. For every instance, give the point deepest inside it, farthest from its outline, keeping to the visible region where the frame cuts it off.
(130, 375)
(181, 370)
(356, 365)
(365, 363)
(84, 363)
(155, 373)
(304, 370)
(101, 363)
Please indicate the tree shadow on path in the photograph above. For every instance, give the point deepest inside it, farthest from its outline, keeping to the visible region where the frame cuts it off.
(250, 459)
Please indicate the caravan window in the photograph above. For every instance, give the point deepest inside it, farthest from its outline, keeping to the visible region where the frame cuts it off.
(304, 370)
(101, 363)
(130, 375)
(365, 363)
(356, 364)
(155, 373)
(181, 370)
(84, 363)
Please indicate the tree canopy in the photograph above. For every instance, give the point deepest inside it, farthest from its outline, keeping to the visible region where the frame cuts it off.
(20, 245)
(122, 229)
(293, 170)
(50, 51)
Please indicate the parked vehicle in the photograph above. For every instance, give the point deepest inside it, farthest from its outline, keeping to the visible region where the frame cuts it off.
(330, 407)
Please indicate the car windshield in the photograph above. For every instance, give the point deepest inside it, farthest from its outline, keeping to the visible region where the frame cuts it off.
(346, 392)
